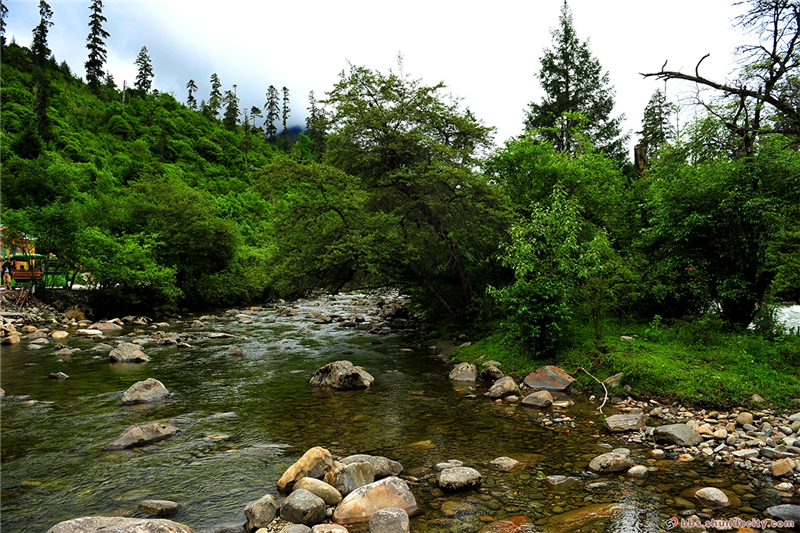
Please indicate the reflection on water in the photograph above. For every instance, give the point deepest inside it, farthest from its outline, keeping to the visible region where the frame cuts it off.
(244, 420)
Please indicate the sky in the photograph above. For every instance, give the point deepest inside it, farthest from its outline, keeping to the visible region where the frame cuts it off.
(487, 54)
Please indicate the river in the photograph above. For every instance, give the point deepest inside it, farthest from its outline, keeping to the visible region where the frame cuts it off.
(244, 420)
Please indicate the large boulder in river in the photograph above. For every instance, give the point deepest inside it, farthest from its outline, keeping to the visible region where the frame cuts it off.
(679, 434)
(458, 478)
(382, 466)
(389, 520)
(136, 436)
(128, 353)
(149, 390)
(342, 375)
(464, 372)
(314, 463)
(349, 477)
(260, 513)
(549, 378)
(303, 507)
(359, 506)
(116, 524)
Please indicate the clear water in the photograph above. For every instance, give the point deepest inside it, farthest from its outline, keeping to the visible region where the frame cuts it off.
(244, 420)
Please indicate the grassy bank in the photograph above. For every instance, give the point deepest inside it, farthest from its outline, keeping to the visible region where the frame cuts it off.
(695, 364)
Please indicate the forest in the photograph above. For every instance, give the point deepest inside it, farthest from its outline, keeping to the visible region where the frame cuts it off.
(172, 205)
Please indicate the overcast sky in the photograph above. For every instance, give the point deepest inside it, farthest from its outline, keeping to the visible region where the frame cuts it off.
(487, 54)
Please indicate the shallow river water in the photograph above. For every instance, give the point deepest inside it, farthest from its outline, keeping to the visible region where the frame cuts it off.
(244, 420)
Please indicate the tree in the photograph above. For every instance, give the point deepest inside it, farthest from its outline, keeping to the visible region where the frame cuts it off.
(96, 45)
(273, 112)
(285, 110)
(231, 117)
(657, 129)
(573, 82)
(3, 15)
(41, 52)
(144, 76)
(191, 101)
(765, 98)
(315, 126)
(215, 98)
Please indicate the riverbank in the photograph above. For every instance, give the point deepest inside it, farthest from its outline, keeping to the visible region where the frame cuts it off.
(696, 366)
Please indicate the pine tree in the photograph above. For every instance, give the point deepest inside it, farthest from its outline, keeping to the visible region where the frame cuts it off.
(315, 127)
(144, 77)
(657, 129)
(255, 112)
(231, 117)
(215, 98)
(574, 83)
(272, 107)
(96, 45)
(191, 102)
(41, 52)
(3, 15)
(285, 110)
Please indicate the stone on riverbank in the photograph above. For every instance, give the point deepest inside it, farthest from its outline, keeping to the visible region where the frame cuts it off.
(784, 512)
(142, 435)
(625, 422)
(782, 467)
(382, 466)
(149, 390)
(58, 375)
(549, 378)
(296, 528)
(342, 375)
(329, 494)
(128, 353)
(314, 463)
(303, 507)
(349, 477)
(389, 520)
(458, 478)
(712, 497)
(362, 503)
(540, 399)
(504, 464)
(505, 386)
(159, 508)
(679, 434)
(610, 462)
(260, 513)
(234, 351)
(582, 517)
(115, 524)
(464, 372)
(491, 373)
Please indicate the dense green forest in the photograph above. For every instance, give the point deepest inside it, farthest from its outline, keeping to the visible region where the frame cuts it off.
(394, 183)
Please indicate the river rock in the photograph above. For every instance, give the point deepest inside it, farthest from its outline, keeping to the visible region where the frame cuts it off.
(11, 339)
(59, 335)
(149, 390)
(625, 422)
(362, 503)
(505, 386)
(614, 381)
(329, 494)
(58, 375)
(349, 477)
(679, 434)
(784, 512)
(159, 508)
(136, 436)
(115, 524)
(464, 372)
(452, 463)
(580, 518)
(539, 399)
(342, 375)
(458, 478)
(89, 333)
(303, 507)
(314, 463)
(504, 464)
(234, 351)
(128, 353)
(389, 520)
(782, 467)
(106, 326)
(744, 418)
(102, 347)
(260, 513)
(712, 497)
(638, 472)
(549, 378)
(491, 373)
(559, 483)
(610, 462)
(295, 528)
(382, 466)
(329, 528)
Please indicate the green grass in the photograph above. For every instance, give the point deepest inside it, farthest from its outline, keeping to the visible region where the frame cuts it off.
(694, 364)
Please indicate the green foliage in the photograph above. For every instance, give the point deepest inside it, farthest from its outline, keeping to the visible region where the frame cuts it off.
(144, 74)
(657, 129)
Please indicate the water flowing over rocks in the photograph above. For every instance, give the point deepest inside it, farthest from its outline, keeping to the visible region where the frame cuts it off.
(342, 375)
(136, 436)
(109, 524)
(149, 390)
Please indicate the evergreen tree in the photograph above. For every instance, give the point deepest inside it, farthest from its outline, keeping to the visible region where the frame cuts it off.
(96, 45)
(255, 112)
(39, 46)
(272, 108)
(110, 83)
(231, 117)
(3, 15)
(144, 77)
(215, 98)
(191, 102)
(575, 85)
(315, 127)
(285, 141)
(657, 129)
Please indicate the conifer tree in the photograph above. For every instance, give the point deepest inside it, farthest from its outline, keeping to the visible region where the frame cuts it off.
(315, 128)
(285, 110)
(215, 98)
(272, 107)
(231, 117)
(144, 77)
(3, 15)
(255, 112)
(41, 52)
(96, 45)
(657, 129)
(191, 102)
(574, 85)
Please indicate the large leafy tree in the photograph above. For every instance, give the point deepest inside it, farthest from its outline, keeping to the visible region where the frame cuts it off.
(96, 45)
(576, 90)
(41, 52)
(144, 76)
